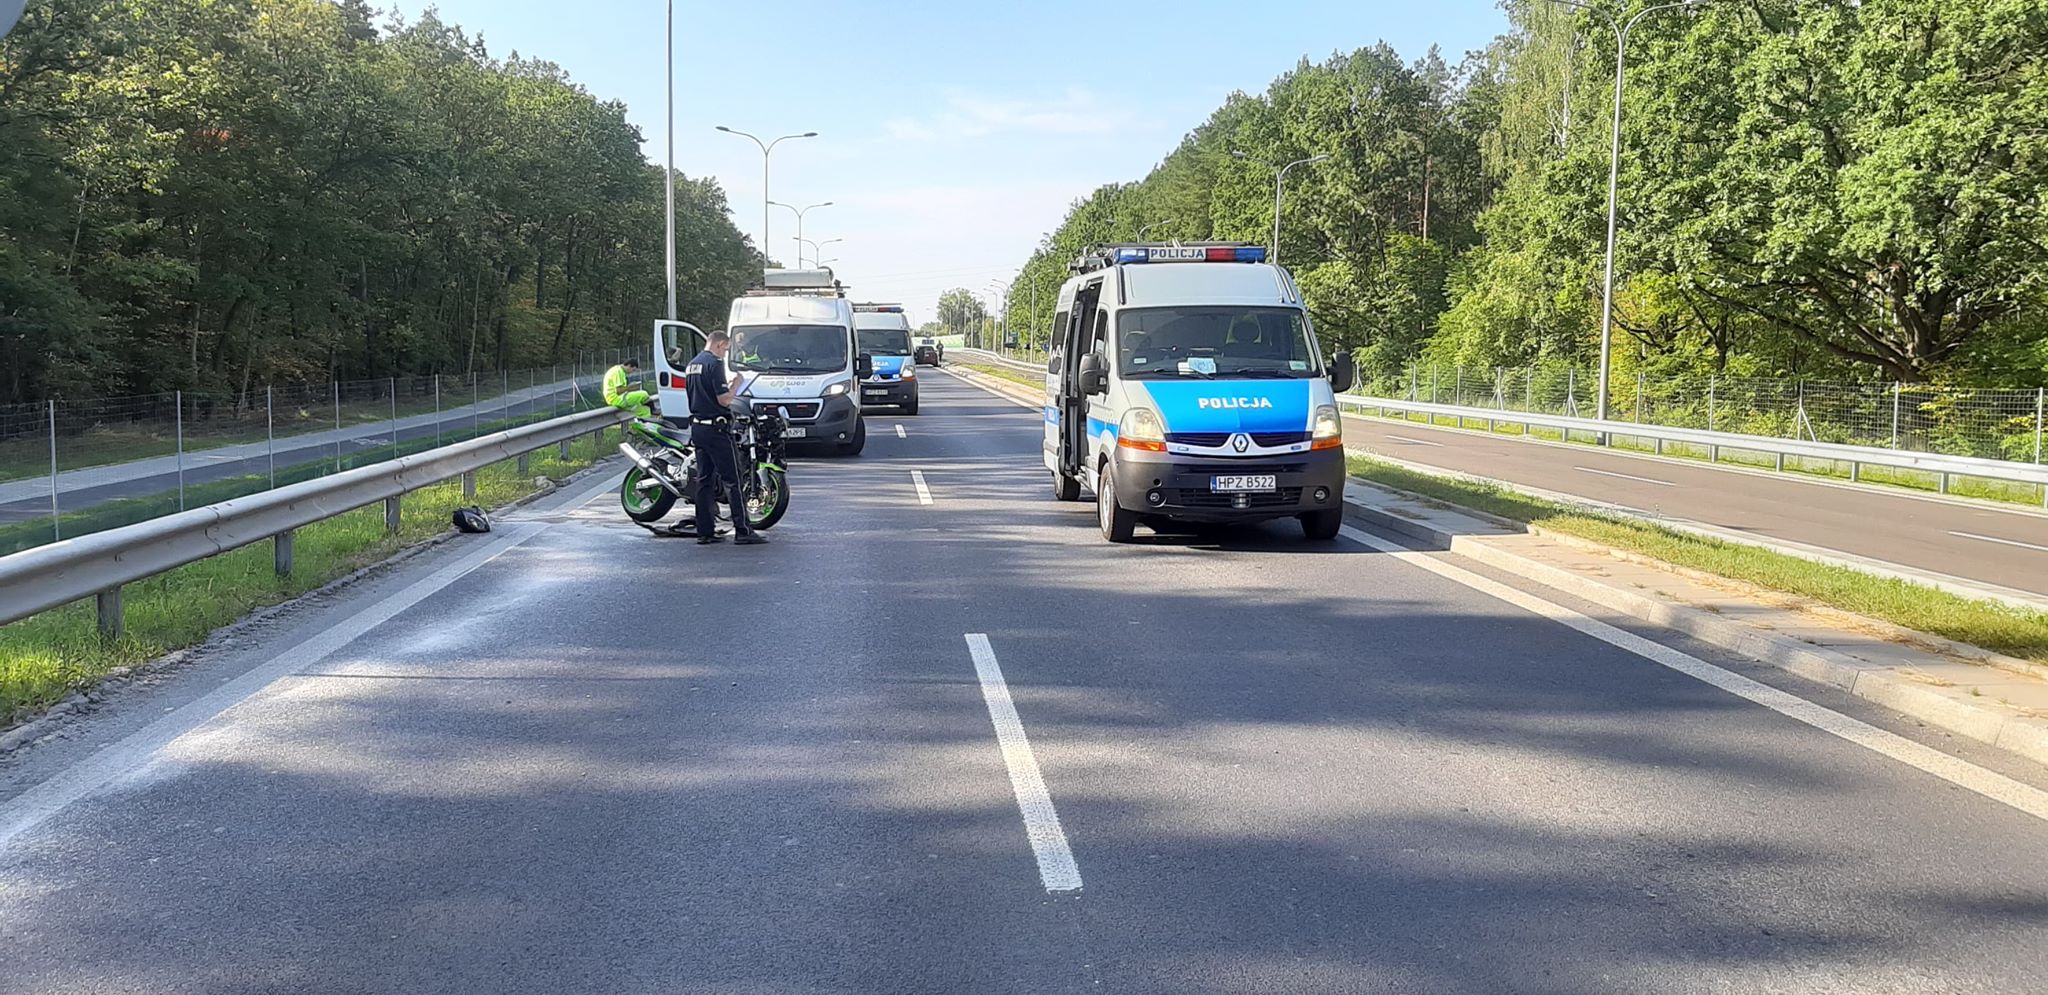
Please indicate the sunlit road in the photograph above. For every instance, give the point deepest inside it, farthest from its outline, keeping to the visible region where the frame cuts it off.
(880, 755)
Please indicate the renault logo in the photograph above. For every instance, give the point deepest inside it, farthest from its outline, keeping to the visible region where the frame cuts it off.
(1240, 442)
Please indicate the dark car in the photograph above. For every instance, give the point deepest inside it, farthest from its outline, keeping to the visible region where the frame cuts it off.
(926, 355)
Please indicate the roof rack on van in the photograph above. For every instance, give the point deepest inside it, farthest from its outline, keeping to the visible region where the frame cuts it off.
(798, 283)
(1125, 253)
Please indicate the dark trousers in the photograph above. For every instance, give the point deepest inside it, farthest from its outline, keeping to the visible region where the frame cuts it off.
(718, 466)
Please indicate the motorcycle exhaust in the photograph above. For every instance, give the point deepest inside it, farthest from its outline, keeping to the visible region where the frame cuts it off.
(647, 465)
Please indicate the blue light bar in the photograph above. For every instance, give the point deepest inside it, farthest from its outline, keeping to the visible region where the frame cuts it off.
(1190, 254)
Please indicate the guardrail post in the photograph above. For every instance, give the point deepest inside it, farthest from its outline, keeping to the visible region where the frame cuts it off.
(525, 464)
(1855, 471)
(469, 485)
(391, 519)
(564, 449)
(1944, 482)
(281, 552)
(111, 621)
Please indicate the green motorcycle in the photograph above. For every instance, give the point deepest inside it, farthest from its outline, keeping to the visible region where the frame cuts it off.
(665, 470)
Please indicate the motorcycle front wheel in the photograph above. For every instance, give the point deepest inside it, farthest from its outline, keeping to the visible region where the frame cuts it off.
(768, 499)
(643, 497)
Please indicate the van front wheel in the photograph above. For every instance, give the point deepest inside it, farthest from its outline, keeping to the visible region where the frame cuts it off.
(1322, 526)
(1118, 525)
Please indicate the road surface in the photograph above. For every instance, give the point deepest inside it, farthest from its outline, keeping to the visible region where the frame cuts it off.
(939, 738)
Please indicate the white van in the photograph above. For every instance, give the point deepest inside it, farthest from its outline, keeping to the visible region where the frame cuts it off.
(882, 332)
(794, 339)
(1187, 384)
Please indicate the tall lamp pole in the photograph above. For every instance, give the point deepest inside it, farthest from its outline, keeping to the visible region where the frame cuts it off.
(817, 249)
(1279, 178)
(669, 176)
(800, 212)
(766, 149)
(1621, 32)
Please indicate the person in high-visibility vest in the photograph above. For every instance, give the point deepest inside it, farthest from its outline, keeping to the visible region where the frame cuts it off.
(617, 380)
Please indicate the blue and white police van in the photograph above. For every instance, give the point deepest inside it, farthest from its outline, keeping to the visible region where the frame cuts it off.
(793, 339)
(1186, 384)
(882, 332)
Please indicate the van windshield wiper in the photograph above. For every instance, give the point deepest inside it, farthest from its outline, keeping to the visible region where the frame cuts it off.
(1251, 373)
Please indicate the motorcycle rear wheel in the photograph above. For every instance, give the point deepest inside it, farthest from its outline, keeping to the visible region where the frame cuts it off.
(644, 505)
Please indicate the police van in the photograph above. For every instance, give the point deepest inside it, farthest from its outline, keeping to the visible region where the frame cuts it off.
(883, 334)
(793, 340)
(1186, 384)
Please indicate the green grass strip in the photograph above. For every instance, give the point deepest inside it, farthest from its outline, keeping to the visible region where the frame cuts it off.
(1006, 373)
(45, 657)
(2000, 628)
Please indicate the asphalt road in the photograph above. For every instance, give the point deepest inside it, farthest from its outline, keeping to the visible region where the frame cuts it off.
(1969, 540)
(570, 757)
(28, 499)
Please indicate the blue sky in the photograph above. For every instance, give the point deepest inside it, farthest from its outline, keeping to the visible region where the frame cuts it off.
(951, 136)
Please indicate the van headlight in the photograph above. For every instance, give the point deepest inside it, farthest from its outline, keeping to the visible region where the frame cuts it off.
(837, 388)
(1326, 429)
(909, 372)
(1140, 428)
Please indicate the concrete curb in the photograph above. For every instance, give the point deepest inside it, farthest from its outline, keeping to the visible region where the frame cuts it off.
(1936, 706)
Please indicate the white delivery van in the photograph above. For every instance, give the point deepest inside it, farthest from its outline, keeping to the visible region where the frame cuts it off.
(882, 333)
(1186, 384)
(793, 338)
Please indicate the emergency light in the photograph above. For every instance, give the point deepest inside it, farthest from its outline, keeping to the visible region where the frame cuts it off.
(879, 308)
(1190, 254)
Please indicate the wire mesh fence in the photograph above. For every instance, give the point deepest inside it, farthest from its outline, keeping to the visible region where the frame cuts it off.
(71, 467)
(1991, 423)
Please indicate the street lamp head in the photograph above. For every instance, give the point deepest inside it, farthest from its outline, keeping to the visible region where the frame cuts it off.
(1239, 153)
(808, 134)
(725, 129)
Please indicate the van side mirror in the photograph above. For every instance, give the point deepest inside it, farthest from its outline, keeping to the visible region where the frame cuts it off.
(863, 366)
(1343, 372)
(1094, 375)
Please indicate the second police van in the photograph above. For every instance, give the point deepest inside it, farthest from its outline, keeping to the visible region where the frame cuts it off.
(883, 333)
(1186, 384)
(793, 339)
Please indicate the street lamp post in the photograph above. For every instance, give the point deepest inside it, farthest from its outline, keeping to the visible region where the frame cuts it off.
(1145, 228)
(1279, 178)
(766, 149)
(817, 249)
(800, 212)
(669, 176)
(1621, 31)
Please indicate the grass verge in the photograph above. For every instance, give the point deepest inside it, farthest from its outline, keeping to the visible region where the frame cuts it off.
(45, 657)
(1995, 627)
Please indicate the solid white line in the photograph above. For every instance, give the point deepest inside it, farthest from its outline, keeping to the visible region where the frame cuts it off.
(901, 434)
(1994, 786)
(31, 807)
(1056, 867)
(1626, 476)
(2002, 542)
(924, 494)
(1419, 442)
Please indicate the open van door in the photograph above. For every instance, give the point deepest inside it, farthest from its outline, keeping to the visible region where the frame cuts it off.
(674, 343)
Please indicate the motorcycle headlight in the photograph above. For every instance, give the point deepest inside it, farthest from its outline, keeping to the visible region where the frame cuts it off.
(837, 388)
(1327, 429)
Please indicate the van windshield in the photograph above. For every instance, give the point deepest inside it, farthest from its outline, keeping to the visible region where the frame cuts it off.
(1215, 341)
(884, 341)
(789, 348)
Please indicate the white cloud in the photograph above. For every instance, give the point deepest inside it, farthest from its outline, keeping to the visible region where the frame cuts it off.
(971, 115)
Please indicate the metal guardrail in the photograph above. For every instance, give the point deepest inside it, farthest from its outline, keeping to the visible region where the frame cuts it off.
(1942, 466)
(98, 564)
(985, 356)
(1855, 457)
